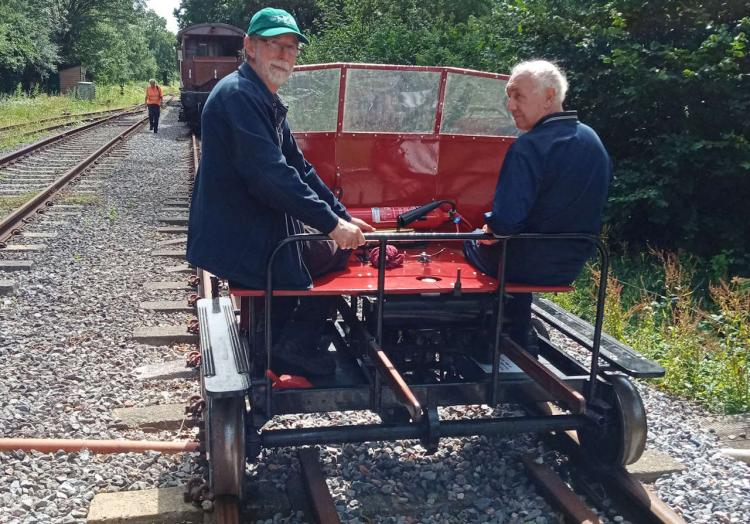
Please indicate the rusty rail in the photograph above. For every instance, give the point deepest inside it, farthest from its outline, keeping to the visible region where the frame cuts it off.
(227, 510)
(559, 494)
(96, 446)
(10, 222)
(636, 498)
(322, 508)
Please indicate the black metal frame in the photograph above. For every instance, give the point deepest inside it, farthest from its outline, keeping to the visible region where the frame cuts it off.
(261, 391)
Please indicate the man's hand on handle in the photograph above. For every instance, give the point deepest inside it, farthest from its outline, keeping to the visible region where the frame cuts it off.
(362, 225)
(347, 235)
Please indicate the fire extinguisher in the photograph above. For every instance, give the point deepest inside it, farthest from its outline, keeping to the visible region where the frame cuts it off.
(387, 217)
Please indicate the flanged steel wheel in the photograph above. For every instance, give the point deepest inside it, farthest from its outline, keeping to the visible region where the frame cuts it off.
(622, 442)
(225, 433)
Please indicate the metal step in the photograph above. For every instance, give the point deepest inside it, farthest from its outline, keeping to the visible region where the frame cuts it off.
(618, 355)
(225, 355)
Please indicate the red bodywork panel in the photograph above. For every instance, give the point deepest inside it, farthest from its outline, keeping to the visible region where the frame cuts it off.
(401, 168)
(431, 133)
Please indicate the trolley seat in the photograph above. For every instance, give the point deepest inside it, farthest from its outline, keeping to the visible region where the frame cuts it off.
(439, 275)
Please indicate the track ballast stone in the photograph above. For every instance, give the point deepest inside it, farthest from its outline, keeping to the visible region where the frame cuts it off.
(66, 357)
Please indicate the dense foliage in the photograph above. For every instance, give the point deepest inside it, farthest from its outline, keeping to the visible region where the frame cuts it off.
(666, 84)
(116, 40)
(239, 12)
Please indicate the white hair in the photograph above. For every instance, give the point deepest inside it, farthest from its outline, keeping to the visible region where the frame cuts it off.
(546, 74)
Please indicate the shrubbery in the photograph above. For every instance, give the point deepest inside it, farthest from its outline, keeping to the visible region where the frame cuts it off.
(666, 85)
(661, 314)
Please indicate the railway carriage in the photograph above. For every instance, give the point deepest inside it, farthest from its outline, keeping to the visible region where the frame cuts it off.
(206, 53)
(416, 152)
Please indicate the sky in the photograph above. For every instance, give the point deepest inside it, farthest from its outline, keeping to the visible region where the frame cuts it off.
(164, 9)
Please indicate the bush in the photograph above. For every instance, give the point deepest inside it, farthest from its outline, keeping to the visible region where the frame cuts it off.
(705, 349)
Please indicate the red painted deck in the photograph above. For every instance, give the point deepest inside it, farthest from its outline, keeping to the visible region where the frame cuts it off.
(437, 276)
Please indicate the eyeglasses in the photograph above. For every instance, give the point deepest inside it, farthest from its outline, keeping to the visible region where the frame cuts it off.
(280, 47)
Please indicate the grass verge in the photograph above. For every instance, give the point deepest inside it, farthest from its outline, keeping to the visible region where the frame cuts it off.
(9, 204)
(80, 199)
(700, 335)
(21, 108)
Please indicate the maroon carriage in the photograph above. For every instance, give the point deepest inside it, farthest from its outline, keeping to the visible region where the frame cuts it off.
(416, 152)
(206, 53)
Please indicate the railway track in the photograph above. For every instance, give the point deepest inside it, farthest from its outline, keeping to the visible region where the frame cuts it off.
(30, 177)
(69, 116)
(596, 484)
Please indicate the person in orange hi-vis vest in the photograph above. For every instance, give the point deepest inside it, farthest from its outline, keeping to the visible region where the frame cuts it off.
(153, 102)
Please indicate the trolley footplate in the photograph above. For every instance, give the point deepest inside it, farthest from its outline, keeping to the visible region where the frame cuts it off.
(621, 357)
(224, 354)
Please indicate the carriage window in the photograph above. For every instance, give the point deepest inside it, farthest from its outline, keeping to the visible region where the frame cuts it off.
(383, 101)
(476, 105)
(313, 98)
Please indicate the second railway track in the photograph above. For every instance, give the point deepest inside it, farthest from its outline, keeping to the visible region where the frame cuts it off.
(30, 176)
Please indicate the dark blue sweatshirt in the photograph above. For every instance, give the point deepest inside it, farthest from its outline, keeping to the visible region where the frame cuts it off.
(254, 188)
(554, 179)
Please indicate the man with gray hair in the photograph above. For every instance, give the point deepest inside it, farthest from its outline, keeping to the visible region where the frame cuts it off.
(255, 188)
(554, 179)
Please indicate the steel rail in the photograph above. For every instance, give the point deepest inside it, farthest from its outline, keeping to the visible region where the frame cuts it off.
(322, 509)
(638, 499)
(61, 125)
(559, 494)
(97, 446)
(31, 148)
(9, 223)
(226, 510)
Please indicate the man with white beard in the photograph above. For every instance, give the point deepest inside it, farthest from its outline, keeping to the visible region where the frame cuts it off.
(254, 188)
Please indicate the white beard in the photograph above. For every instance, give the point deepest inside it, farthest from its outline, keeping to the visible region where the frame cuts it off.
(277, 76)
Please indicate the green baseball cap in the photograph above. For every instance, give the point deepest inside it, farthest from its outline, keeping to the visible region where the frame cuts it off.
(273, 22)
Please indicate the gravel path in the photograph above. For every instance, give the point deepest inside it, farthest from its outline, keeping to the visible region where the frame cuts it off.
(65, 350)
(66, 359)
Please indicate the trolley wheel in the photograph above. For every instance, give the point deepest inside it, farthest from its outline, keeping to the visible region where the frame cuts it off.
(623, 440)
(225, 445)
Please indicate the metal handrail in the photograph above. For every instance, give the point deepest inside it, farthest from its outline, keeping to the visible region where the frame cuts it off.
(383, 238)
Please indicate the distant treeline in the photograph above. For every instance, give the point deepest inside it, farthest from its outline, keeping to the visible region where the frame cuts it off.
(115, 40)
(666, 84)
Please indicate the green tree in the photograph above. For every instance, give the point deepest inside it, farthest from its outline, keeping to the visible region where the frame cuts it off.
(239, 12)
(27, 53)
(162, 44)
(78, 18)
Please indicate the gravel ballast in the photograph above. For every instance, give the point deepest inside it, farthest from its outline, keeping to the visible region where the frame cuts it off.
(66, 359)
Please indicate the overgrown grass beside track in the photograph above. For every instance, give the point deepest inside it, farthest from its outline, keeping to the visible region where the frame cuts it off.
(23, 107)
(10, 203)
(700, 334)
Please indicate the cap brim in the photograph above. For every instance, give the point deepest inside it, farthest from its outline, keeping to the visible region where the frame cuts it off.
(276, 31)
